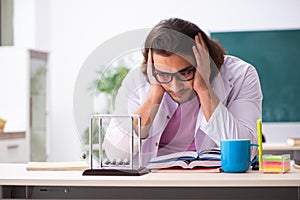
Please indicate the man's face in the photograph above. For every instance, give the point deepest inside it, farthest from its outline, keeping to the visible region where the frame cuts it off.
(165, 67)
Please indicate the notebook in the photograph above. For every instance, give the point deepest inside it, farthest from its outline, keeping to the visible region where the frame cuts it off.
(57, 166)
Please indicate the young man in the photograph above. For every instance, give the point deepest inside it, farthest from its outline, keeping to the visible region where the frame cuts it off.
(189, 94)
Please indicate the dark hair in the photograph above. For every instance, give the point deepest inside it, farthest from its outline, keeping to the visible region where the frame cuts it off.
(176, 36)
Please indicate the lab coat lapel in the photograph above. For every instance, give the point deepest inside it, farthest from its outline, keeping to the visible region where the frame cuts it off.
(166, 110)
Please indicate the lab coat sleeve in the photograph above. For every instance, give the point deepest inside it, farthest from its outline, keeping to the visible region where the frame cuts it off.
(118, 135)
(237, 119)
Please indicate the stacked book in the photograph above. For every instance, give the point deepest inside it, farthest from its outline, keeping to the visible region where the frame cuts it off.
(293, 141)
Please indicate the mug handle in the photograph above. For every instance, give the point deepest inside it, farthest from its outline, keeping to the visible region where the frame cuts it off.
(256, 157)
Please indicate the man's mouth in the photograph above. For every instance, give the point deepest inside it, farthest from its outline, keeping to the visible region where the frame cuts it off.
(179, 93)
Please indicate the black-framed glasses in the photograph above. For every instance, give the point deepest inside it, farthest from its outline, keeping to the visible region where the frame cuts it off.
(185, 74)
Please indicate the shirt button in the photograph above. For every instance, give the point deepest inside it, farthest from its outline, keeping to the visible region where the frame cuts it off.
(156, 144)
(168, 117)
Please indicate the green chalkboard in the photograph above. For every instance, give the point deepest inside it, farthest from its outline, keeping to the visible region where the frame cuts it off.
(276, 56)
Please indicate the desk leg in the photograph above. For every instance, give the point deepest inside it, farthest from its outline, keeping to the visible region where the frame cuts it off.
(296, 156)
(28, 191)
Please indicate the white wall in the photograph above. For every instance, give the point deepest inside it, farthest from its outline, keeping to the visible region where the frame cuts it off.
(76, 27)
(14, 84)
(24, 23)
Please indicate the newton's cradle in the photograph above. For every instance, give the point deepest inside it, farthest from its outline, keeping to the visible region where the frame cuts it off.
(117, 166)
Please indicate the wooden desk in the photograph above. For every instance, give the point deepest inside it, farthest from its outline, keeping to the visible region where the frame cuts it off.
(16, 182)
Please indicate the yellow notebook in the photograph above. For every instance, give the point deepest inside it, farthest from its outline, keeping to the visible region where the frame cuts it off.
(57, 166)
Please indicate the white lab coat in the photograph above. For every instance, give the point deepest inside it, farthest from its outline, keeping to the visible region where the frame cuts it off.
(238, 88)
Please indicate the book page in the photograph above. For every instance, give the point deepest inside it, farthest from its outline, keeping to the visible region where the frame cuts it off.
(209, 156)
(205, 163)
(189, 155)
(170, 164)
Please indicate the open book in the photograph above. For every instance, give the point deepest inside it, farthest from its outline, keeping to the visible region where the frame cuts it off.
(187, 160)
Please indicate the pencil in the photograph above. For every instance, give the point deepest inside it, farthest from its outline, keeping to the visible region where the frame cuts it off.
(259, 137)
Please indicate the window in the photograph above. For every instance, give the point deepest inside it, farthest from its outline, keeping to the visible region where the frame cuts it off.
(6, 22)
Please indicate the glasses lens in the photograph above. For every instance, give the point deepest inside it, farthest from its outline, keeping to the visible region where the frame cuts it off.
(163, 77)
(186, 75)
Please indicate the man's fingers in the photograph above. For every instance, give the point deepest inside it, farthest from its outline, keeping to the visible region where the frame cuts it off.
(199, 40)
(149, 57)
(197, 55)
(202, 57)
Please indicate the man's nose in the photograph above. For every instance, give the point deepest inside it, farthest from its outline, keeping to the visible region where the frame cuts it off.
(175, 85)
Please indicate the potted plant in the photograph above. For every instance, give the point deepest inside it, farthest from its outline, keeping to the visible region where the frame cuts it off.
(108, 84)
(2, 124)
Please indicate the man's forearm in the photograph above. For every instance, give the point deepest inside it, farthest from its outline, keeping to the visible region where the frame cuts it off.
(148, 109)
(209, 102)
